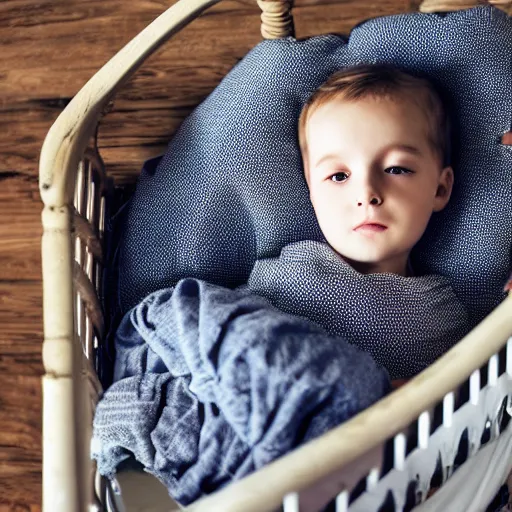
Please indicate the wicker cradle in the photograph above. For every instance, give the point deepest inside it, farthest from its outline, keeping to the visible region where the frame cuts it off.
(73, 189)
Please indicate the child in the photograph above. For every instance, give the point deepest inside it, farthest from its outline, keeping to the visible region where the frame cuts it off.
(374, 145)
(374, 142)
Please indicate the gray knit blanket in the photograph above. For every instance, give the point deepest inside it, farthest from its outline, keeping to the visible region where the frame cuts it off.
(214, 383)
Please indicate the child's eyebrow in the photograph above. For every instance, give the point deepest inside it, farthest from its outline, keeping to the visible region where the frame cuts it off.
(326, 158)
(404, 147)
(413, 150)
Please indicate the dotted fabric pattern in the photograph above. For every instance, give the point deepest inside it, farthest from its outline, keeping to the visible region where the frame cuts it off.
(230, 189)
(380, 313)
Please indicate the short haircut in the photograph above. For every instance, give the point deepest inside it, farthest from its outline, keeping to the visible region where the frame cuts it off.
(389, 82)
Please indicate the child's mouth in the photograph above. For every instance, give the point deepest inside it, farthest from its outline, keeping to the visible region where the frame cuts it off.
(370, 228)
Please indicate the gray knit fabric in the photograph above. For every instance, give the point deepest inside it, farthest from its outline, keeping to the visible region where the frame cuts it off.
(406, 323)
(230, 189)
(212, 384)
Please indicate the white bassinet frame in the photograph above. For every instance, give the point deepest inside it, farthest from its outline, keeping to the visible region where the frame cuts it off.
(73, 185)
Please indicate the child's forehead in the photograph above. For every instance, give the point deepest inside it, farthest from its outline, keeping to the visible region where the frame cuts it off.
(371, 125)
(401, 112)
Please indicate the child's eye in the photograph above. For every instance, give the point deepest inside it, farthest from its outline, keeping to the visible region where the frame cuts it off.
(397, 170)
(339, 176)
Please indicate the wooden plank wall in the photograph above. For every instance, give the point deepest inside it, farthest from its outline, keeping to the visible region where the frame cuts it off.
(48, 50)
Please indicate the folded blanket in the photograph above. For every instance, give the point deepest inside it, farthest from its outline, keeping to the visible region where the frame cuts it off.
(214, 383)
(406, 323)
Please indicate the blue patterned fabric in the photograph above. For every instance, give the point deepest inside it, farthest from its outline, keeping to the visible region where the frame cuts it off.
(405, 323)
(230, 189)
(212, 384)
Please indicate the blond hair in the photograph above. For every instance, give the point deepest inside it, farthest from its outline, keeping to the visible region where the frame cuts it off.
(383, 81)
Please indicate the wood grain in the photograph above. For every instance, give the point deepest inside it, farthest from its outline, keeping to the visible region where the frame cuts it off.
(49, 49)
(20, 230)
(20, 442)
(21, 333)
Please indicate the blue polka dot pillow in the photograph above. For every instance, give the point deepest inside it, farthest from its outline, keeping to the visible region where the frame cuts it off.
(230, 189)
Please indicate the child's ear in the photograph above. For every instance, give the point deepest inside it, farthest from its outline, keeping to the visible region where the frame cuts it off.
(444, 189)
(305, 168)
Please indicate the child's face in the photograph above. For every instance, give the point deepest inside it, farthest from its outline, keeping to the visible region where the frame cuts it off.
(374, 179)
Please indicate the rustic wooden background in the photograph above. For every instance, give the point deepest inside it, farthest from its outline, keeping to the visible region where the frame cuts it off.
(48, 50)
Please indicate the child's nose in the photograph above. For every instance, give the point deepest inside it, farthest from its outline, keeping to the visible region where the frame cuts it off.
(368, 188)
(369, 194)
(373, 200)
